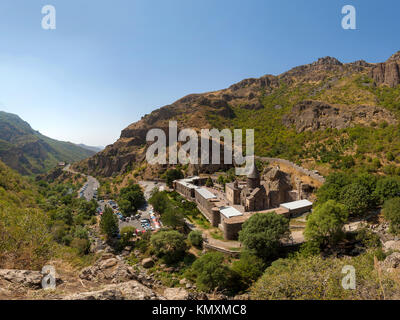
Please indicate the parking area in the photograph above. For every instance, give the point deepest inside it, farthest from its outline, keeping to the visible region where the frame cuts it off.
(144, 220)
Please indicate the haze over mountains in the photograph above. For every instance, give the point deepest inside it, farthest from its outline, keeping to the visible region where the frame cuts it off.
(91, 148)
(29, 152)
(316, 114)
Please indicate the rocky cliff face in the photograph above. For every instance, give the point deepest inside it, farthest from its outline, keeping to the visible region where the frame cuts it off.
(223, 108)
(387, 73)
(315, 115)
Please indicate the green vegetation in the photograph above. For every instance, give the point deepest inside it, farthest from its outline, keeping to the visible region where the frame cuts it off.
(263, 232)
(109, 223)
(249, 268)
(171, 175)
(325, 224)
(173, 208)
(210, 272)
(131, 199)
(391, 209)
(19, 145)
(196, 239)
(169, 245)
(358, 192)
(40, 221)
(317, 278)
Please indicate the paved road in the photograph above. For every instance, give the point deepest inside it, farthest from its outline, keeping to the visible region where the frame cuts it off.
(89, 188)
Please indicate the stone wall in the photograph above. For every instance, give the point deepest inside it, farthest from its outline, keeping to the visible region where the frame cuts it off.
(184, 190)
(299, 169)
(231, 227)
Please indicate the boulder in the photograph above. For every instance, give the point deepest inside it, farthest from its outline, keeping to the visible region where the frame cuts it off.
(148, 263)
(131, 290)
(27, 278)
(391, 245)
(176, 294)
(108, 263)
(391, 262)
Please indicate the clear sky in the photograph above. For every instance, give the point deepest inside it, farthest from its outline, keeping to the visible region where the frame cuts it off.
(110, 62)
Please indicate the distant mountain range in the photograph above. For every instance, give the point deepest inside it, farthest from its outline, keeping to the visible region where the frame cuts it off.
(95, 149)
(29, 152)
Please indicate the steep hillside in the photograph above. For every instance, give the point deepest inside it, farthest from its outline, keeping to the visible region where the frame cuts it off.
(30, 152)
(25, 240)
(323, 115)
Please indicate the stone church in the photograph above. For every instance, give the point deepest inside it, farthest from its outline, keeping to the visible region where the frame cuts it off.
(252, 196)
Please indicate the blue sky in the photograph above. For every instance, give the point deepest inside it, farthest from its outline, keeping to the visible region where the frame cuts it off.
(110, 62)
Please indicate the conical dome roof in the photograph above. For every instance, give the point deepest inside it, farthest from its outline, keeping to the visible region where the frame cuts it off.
(254, 174)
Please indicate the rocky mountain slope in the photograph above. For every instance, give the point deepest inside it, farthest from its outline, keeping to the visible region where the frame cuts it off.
(30, 152)
(294, 115)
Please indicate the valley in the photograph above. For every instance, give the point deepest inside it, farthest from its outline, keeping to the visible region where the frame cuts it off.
(322, 193)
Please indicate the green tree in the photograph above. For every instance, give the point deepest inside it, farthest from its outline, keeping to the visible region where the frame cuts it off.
(169, 245)
(173, 217)
(210, 272)
(196, 238)
(159, 201)
(173, 174)
(326, 222)
(332, 187)
(209, 182)
(131, 198)
(263, 233)
(249, 268)
(387, 188)
(221, 180)
(109, 223)
(391, 210)
(356, 198)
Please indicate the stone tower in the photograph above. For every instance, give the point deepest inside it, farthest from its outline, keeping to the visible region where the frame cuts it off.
(253, 178)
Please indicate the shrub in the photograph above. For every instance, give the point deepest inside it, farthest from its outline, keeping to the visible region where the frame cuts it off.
(173, 217)
(131, 199)
(318, 278)
(356, 198)
(210, 272)
(109, 223)
(391, 210)
(263, 232)
(82, 245)
(169, 245)
(387, 188)
(326, 222)
(159, 201)
(249, 268)
(209, 182)
(196, 238)
(171, 175)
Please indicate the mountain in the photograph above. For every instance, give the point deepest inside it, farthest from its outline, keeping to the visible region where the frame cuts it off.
(29, 152)
(94, 149)
(324, 115)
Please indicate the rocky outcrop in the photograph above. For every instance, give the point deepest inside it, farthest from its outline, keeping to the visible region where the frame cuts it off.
(391, 262)
(387, 73)
(219, 108)
(24, 278)
(176, 294)
(148, 263)
(131, 290)
(315, 115)
(108, 268)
